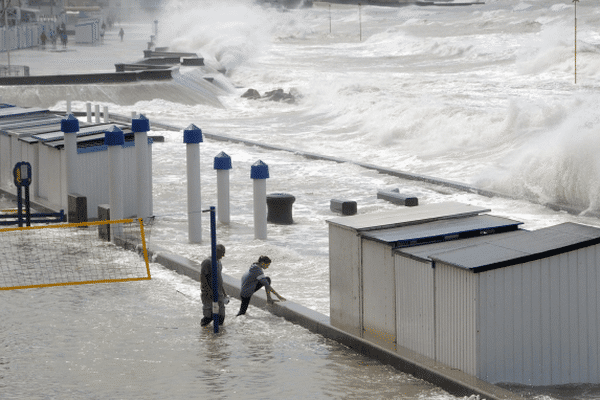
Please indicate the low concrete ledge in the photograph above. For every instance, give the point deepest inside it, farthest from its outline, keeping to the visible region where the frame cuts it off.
(453, 381)
(163, 52)
(84, 79)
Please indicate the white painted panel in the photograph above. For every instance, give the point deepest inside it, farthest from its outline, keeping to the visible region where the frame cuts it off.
(379, 293)
(130, 180)
(415, 305)
(456, 317)
(53, 176)
(344, 259)
(92, 179)
(5, 168)
(591, 262)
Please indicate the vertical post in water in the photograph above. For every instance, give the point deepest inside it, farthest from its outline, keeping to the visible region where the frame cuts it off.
(19, 206)
(215, 276)
(70, 127)
(330, 18)
(223, 164)
(6, 33)
(88, 112)
(575, 2)
(105, 114)
(360, 22)
(115, 140)
(259, 172)
(140, 126)
(192, 137)
(97, 112)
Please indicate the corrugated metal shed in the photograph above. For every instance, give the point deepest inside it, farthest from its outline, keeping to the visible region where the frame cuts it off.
(362, 267)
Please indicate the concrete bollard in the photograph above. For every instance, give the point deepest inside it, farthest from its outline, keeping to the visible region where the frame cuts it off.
(259, 172)
(70, 127)
(115, 140)
(133, 115)
(394, 196)
(88, 112)
(280, 208)
(97, 113)
(104, 215)
(192, 137)
(223, 164)
(77, 208)
(345, 207)
(105, 114)
(140, 126)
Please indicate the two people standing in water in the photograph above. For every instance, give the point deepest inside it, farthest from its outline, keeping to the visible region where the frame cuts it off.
(252, 281)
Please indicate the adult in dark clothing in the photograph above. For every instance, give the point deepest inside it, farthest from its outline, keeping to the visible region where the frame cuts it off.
(255, 279)
(206, 283)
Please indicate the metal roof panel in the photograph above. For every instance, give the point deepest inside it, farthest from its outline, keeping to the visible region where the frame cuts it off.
(442, 230)
(408, 216)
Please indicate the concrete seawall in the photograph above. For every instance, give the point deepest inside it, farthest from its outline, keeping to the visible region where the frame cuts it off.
(453, 381)
(85, 79)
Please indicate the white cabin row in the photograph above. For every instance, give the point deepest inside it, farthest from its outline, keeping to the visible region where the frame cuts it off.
(34, 135)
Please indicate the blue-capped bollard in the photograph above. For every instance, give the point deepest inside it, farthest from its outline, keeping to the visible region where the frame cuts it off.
(223, 164)
(115, 139)
(140, 127)
(259, 172)
(192, 137)
(70, 127)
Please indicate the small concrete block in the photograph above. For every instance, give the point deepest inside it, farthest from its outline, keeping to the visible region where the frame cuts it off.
(104, 215)
(77, 208)
(396, 197)
(345, 207)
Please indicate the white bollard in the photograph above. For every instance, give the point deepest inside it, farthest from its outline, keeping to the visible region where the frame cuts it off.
(133, 115)
(192, 137)
(115, 140)
(105, 114)
(88, 111)
(70, 127)
(68, 104)
(97, 112)
(259, 172)
(140, 127)
(223, 164)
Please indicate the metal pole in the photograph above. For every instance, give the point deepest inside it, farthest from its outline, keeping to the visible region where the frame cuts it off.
(19, 206)
(329, 18)
(360, 21)
(27, 207)
(6, 36)
(215, 278)
(575, 2)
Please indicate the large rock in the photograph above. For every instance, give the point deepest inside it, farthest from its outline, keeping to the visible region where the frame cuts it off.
(251, 94)
(273, 95)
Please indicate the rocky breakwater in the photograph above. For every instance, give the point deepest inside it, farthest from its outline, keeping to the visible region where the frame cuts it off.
(274, 95)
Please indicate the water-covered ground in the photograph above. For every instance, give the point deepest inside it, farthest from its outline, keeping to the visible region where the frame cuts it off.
(480, 94)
